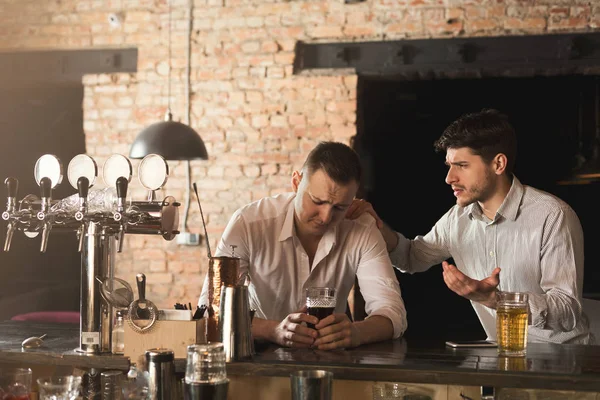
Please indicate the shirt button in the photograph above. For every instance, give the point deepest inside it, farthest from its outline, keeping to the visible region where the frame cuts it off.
(491, 253)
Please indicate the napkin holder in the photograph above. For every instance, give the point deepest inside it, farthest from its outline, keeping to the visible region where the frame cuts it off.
(174, 335)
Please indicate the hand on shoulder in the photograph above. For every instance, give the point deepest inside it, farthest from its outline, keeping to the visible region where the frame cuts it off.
(359, 207)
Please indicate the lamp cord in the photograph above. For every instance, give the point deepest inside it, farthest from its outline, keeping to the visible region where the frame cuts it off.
(188, 181)
(169, 56)
(188, 64)
(188, 118)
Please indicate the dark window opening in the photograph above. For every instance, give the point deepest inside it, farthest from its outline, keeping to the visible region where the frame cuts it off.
(397, 123)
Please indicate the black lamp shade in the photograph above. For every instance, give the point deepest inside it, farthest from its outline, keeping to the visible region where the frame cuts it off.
(170, 139)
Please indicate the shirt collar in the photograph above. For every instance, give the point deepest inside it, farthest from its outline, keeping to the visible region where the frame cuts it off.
(287, 229)
(509, 207)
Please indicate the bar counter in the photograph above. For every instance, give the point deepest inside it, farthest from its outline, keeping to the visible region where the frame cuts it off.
(546, 366)
(58, 349)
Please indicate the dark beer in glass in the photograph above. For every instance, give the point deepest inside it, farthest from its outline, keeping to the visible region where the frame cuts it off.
(320, 302)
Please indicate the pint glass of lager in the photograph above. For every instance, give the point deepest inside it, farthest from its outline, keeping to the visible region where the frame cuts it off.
(320, 302)
(512, 313)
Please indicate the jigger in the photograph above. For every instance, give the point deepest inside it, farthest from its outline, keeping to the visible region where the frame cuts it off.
(235, 323)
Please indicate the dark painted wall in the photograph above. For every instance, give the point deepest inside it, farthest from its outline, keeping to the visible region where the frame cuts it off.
(37, 120)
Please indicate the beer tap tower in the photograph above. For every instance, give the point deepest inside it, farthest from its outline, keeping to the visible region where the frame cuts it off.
(101, 220)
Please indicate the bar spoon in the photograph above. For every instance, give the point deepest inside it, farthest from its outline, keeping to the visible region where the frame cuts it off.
(33, 342)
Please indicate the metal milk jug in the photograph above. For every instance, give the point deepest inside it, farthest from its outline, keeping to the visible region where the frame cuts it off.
(235, 323)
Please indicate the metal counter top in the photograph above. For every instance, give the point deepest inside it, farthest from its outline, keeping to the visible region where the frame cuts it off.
(546, 366)
(58, 348)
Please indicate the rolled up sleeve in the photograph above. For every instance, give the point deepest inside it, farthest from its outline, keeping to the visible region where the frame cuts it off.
(383, 298)
(379, 284)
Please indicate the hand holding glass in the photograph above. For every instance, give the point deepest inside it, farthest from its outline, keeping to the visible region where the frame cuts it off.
(320, 302)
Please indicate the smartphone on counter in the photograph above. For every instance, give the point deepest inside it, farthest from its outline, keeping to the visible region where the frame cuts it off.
(471, 343)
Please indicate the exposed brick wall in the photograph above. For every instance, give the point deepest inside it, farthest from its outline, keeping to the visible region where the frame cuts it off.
(258, 120)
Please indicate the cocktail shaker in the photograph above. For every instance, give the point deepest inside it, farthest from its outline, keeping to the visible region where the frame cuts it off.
(235, 330)
(161, 374)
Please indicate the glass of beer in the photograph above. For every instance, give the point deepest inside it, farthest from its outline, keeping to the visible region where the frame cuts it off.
(320, 302)
(512, 312)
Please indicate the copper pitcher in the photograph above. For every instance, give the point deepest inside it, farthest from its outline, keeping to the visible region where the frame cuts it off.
(222, 271)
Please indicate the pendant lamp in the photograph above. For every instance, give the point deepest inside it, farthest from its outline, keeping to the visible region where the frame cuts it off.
(170, 139)
(173, 141)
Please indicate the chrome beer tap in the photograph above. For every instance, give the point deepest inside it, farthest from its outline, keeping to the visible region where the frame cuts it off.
(82, 173)
(98, 219)
(120, 215)
(83, 185)
(12, 186)
(42, 215)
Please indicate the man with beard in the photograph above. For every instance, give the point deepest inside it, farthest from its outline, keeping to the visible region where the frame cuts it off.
(292, 241)
(499, 224)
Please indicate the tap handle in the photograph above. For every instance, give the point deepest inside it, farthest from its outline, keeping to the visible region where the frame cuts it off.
(46, 190)
(46, 187)
(141, 284)
(122, 184)
(12, 186)
(83, 186)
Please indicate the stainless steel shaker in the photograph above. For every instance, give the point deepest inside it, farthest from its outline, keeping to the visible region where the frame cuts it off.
(205, 374)
(311, 385)
(235, 323)
(161, 371)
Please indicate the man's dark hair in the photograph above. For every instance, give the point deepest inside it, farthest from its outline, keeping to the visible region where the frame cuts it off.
(338, 160)
(486, 133)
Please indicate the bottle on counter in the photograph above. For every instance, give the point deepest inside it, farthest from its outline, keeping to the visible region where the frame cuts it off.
(118, 333)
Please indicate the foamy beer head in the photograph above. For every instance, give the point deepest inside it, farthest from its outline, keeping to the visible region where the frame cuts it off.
(320, 302)
(512, 316)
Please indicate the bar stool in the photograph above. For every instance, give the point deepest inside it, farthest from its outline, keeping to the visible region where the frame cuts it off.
(64, 317)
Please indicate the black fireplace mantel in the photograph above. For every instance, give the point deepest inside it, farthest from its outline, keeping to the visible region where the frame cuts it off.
(567, 53)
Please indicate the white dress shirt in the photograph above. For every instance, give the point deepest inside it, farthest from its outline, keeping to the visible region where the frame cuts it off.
(279, 269)
(537, 241)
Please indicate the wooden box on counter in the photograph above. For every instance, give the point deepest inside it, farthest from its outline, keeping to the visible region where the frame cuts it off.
(174, 335)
